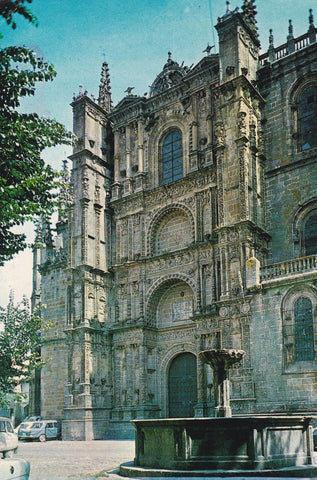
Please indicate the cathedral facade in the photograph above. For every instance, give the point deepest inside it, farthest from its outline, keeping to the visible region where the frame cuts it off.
(191, 224)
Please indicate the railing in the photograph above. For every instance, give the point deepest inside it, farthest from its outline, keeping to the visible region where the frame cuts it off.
(289, 47)
(289, 267)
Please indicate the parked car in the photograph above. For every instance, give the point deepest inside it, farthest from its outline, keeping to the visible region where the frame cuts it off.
(8, 439)
(27, 420)
(14, 469)
(41, 430)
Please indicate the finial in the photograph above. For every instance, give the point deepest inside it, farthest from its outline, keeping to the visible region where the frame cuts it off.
(169, 55)
(311, 18)
(47, 232)
(228, 6)
(104, 99)
(290, 38)
(271, 51)
(38, 231)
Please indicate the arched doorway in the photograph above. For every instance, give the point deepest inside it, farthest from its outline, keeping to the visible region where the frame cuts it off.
(182, 386)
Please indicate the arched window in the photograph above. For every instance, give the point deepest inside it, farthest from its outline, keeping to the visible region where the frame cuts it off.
(299, 309)
(172, 157)
(305, 229)
(308, 118)
(310, 235)
(304, 330)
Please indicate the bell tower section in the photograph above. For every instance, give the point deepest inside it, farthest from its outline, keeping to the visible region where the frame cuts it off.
(89, 381)
(239, 151)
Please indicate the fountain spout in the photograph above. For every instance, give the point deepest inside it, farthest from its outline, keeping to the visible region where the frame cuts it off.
(220, 360)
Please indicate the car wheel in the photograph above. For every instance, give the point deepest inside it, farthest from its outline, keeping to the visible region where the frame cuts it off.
(42, 438)
(8, 454)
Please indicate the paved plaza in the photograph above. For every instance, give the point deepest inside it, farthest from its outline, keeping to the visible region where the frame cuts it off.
(65, 460)
(87, 460)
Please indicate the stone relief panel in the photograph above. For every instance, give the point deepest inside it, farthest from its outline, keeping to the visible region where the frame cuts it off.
(173, 233)
(175, 305)
(171, 229)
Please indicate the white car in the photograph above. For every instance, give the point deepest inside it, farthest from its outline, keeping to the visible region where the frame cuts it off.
(8, 439)
(27, 421)
(14, 469)
(11, 468)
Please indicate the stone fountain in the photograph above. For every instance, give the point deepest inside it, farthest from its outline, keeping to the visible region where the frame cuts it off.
(224, 444)
(220, 361)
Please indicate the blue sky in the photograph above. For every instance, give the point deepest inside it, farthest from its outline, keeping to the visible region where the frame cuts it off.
(134, 37)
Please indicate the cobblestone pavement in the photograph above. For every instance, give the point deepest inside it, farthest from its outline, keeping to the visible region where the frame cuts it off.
(59, 460)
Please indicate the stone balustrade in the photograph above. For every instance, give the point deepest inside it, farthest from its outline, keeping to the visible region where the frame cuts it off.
(289, 267)
(284, 50)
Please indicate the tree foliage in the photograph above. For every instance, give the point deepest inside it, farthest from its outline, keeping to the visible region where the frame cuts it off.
(10, 7)
(26, 182)
(20, 341)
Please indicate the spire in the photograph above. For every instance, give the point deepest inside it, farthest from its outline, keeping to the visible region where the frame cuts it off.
(249, 13)
(43, 232)
(104, 98)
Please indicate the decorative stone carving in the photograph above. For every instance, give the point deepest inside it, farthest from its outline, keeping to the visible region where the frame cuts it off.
(85, 182)
(242, 123)
(219, 134)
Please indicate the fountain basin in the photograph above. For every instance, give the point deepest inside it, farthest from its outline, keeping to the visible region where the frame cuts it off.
(233, 443)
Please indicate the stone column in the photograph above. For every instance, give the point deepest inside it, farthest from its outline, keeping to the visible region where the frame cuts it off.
(116, 156)
(97, 229)
(84, 230)
(194, 126)
(128, 149)
(209, 117)
(140, 146)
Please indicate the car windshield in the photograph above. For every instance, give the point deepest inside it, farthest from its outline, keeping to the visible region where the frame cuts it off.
(9, 427)
(24, 425)
(5, 426)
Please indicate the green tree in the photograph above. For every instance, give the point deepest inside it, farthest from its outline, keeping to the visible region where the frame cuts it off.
(26, 182)
(20, 341)
(10, 7)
